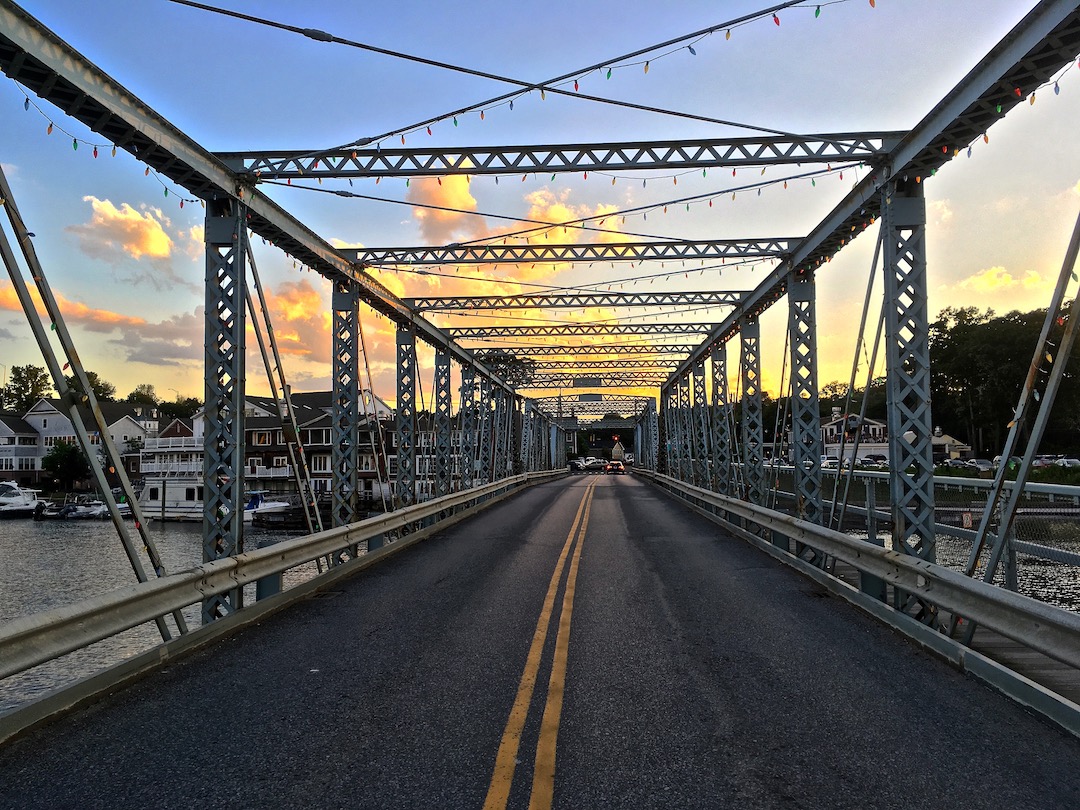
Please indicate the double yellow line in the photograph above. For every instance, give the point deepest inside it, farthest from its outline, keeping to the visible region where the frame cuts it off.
(543, 786)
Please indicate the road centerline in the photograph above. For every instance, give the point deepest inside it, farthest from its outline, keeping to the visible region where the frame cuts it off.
(506, 759)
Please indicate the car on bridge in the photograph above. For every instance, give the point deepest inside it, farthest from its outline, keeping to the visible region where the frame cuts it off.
(615, 468)
(595, 465)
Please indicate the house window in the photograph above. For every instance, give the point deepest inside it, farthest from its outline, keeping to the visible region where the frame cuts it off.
(44, 423)
(281, 461)
(155, 494)
(7, 463)
(27, 463)
(320, 463)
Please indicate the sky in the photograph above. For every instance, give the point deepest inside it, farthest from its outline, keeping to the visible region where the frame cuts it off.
(127, 261)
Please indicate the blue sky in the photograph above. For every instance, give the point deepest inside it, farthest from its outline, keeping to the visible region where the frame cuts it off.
(128, 263)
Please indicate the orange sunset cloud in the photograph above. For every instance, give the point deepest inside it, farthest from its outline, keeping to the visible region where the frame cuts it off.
(112, 229)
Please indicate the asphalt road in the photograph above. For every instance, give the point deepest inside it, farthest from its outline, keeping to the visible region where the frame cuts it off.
(691, 671)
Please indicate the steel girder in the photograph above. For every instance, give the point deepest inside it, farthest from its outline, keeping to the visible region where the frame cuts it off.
(683, 426)
(907, 356)
(577, 330)
(43, 63)
(503, 421)
(753, 434)
(467, 418)
(670, 403)
(406, 418)
(1043, 43)
(587, 350)
(443, 406)
(719, 423)
(710, 298)
(557, 158)
(805, 412)
(700, 426)
(657, 250)
(345, 416)
(223, 441)
(653, 445)
(529, 439)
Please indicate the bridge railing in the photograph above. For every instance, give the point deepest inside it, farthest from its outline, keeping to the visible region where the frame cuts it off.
(1044, 628)
(32, 640)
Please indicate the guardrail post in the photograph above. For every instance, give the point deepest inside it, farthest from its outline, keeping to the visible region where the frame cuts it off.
(869, 584)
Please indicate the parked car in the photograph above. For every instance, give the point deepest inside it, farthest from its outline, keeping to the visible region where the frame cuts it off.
(981, 464)
(1043, 461)
(576, 464)
(1067, 462)
(615, 468)
(956, 463)
(595, 465)
(830, 462)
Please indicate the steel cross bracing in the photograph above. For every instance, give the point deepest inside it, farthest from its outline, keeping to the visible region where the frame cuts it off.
(620, 349)
(576, 330)
(1043, 43)
(554, 158)
(484, 427)
(657, 250)
(45, 65)
(682, 429)
(708, 298)
(467, 418)
(406, 418)
(699, 414)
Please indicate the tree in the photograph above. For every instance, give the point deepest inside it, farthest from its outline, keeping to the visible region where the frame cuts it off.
(518, 372)
(103, 391)
(27, 385)
(66, 463)
(144, 394)
(181, 409)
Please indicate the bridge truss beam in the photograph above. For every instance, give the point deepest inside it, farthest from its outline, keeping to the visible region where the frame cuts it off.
(584, 366)
(678, 350)
(604, 404)
(485, 160)
(629, 379)
(708, 298)
(577, 330)
(669, 250)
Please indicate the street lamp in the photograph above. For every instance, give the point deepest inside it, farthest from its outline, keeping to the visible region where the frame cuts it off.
(177, 393)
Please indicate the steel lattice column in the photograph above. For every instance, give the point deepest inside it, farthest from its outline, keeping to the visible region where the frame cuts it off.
(528, 432)
(483, 426)
(406, 417)
(669, 402)
(720, 425)
(753, 435)
(700, 420)
(686, 463)
(654, 438)
(908, 370)
(345, 416)
(467, 418)
(503, 415)
(223, 441)
(443, 406)
(805, 413)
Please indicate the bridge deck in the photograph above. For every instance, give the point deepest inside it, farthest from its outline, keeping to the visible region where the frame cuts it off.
(699, 673)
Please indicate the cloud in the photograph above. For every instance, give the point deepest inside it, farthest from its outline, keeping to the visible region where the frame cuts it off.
(302, 320)
(1076, 188)
(113, 230)
(6, 334)
(175, 341)
(996, 279)
(439, 227)
(941, 212)
(94, 320)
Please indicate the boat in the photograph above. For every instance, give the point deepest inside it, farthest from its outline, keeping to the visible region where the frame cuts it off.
(180, 499)
(16, 502)
(82, 507)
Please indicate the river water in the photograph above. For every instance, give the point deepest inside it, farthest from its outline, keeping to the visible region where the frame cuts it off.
(54, 563)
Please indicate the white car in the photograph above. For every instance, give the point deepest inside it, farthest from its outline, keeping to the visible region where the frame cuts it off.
(1067, 462)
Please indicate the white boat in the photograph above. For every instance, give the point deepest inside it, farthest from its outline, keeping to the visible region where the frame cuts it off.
(180, 499)
(15, 501)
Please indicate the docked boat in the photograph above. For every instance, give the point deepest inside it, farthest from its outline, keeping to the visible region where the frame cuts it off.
(180, 499)
(16, 502)
(79, 508)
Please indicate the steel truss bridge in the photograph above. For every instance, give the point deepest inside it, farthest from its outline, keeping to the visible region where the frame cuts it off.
(691, 429)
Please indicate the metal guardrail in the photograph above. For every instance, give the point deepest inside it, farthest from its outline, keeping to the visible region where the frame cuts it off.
(1047, 629)
(32, 640)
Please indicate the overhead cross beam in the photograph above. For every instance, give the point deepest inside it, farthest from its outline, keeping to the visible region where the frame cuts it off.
(586, 366)
(576, 350)
(629, 379)
(577, 300)
(576, 330)
(658, 250)
(593, 404)
(1041, 45)
(557, 158)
